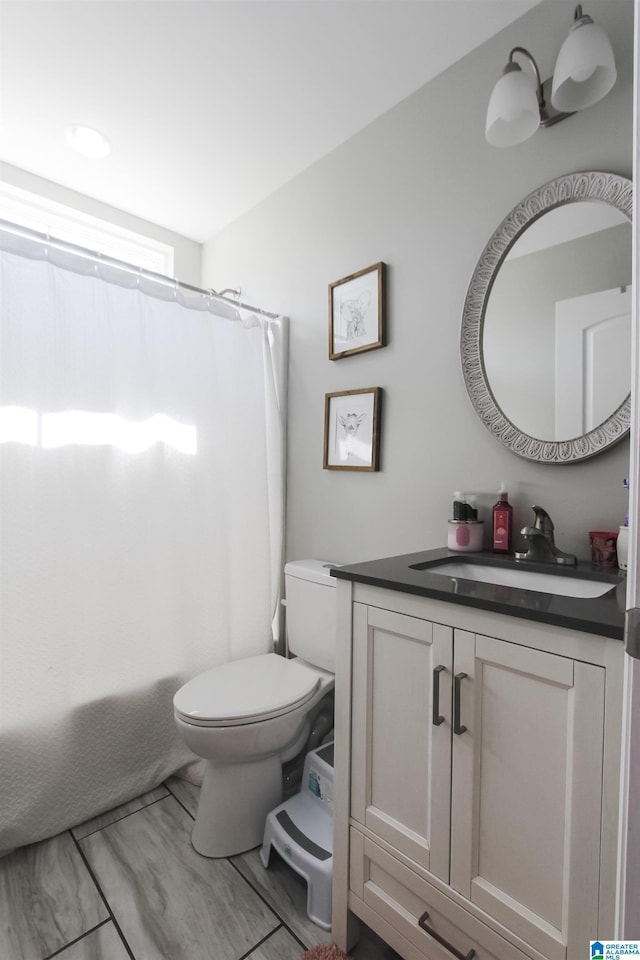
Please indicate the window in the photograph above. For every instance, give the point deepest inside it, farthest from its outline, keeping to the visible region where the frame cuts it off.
(47, 216)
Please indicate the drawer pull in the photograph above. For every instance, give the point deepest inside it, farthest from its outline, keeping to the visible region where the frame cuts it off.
(422, 922)
(437, 719)
(457, 726)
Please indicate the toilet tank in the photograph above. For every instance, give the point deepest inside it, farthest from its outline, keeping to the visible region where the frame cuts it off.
(310, 593)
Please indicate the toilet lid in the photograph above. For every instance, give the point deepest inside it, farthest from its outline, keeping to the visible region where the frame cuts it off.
(246, 691)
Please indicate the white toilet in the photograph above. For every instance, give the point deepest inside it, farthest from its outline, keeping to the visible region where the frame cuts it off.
(248, 717)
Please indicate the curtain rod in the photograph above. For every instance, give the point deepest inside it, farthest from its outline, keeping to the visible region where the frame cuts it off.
(97, 257)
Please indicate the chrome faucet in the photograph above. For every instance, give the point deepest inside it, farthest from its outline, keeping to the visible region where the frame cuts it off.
(541, 546)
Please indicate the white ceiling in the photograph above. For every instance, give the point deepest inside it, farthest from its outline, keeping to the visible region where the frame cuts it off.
(211, 105)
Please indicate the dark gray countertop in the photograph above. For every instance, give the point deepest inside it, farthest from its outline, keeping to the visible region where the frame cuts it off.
(603, 616)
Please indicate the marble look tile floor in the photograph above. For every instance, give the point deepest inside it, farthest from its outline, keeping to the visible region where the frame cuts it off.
(128, 885)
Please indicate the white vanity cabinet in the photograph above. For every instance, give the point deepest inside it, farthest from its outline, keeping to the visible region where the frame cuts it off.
(477, 760)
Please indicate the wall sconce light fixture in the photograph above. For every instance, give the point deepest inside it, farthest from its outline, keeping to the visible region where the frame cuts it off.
(585, 72)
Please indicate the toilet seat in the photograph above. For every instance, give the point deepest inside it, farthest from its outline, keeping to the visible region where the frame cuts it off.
(246, 691)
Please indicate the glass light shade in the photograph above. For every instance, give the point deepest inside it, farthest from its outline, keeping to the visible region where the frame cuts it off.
(585, 69)
(513, 114)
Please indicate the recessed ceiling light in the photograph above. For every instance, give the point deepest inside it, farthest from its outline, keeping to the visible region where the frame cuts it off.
(89, 142)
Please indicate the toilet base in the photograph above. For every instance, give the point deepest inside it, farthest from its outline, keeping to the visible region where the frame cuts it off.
(234, 802)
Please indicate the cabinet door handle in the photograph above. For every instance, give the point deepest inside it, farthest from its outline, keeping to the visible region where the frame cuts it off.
(457, 683)
(437, 719)
(422, 922)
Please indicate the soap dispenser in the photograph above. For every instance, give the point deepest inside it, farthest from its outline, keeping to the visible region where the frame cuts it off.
(502, 522)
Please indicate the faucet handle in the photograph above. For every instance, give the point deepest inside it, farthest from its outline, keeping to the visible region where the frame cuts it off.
(543, 522)
(530, 533)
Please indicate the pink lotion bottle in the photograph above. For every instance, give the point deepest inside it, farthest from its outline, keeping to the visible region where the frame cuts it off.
(502, 522)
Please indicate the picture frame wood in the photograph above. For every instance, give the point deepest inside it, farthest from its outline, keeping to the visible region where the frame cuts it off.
(352, 429)
(357, 312)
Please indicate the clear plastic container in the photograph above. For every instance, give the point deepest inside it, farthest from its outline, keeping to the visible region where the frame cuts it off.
(603, 547)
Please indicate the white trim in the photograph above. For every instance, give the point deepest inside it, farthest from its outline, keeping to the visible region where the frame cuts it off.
(627, 893)
(57, 220)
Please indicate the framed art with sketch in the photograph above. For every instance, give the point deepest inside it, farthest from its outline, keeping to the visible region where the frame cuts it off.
(357, 312)
(352, 429)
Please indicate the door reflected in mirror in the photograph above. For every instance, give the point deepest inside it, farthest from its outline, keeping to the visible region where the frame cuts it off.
(560, 364)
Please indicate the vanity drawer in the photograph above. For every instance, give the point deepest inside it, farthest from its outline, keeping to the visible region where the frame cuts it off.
(406, 902)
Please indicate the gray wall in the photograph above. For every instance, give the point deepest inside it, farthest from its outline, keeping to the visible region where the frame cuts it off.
(421, 190)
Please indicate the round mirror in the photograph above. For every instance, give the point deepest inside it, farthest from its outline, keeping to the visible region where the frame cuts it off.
(546, 328)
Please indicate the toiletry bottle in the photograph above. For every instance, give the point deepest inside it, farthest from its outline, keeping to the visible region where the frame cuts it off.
(502, 522)
(458, 505)
(472, 509)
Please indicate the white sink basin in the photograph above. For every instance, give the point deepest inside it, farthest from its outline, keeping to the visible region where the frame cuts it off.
(523, 579)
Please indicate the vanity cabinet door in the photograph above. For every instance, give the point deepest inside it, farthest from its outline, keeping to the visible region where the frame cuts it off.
(401, 733)
(526, 791)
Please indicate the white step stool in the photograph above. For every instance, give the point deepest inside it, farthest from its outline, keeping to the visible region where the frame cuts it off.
(301, 830)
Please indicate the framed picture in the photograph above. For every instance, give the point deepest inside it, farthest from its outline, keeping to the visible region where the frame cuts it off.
(352, 429)
(357, 312)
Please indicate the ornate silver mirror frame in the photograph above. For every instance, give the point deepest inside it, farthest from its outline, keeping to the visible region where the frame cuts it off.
(604, 187)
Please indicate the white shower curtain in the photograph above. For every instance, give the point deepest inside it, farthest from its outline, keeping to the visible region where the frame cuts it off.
(141, 522)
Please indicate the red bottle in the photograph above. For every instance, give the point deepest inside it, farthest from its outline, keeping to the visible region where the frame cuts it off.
(502, 522)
